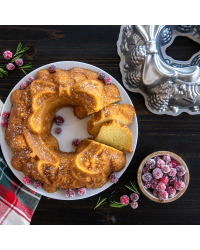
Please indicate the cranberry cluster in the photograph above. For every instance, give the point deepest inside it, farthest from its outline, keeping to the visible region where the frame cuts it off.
(106, 79)
(164, 176)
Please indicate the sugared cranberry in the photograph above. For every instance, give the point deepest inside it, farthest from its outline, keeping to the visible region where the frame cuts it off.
(101, 75)
(156, 158)
(10, 66)
(180, 170)
(167, 159)
(58, 130)
(107, 80)
(172, 172)
(145, 170)
(174, 164)
(37, 184)
(7, 54)
(159, 163)
(179, 185)
(147, 184)
(69, 193)
(52, 68)
(23, 85)
(30, 79)
(151, 163)
(27, 180)
(154, 183)
(157, 173)
(155, 192)
(163, 195)
(134, 204)
(165, 168)
(19, 62)
(59, 120)
(147, 177)
(113, 178)
(161, 186)
(82, 191)
(134, 197)
(124, 199)
(180, 178)
(171, 191)
(4, 123)
(165, 179)
(172, 180)
(5, 115)
(75, 142)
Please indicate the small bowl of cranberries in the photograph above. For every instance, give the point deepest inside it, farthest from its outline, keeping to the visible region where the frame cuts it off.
(163, 176)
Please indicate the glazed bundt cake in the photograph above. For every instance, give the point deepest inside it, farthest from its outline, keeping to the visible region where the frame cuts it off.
(116, 135)
(36, 151)
(123, 113)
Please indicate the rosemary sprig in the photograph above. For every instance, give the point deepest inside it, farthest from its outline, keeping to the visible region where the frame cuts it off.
(117, 204)
(133, 188)
(25, 68)
(19, 52)
(100, 202)
(2, 71)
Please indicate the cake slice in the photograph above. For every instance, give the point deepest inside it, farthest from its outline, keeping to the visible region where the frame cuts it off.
(116, 135)
(123, 113)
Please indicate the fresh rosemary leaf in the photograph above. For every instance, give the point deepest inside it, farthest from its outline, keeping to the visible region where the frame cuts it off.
(117, 204)
(25, 68)
(20, 51)
(15, 58)
(100, 202)
(3, 72)
(133, 187)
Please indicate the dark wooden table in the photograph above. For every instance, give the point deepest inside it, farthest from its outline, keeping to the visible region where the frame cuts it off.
(96, 45)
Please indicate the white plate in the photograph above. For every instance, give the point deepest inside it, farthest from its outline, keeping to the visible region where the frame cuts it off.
(75, 128)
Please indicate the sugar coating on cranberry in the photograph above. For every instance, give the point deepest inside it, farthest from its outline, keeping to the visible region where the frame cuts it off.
(163, 195)
(171, 191)
(23, 85)
(134, 197)
(113, 178)
(151, 163)
(4, 123)
(154, 183)
(174, 163)
(180, 178)
(7, 54)
(6, 115)
(52, 68)
(155, 192)
(82, 191)
(165, 179)
(124, 199)
(172, 180)
(147, 177)
(156, 158)
(69, 193)
(161, 186)
(179, 185)
(147, 184)
(167, 159)
(30, 79)
(58, 131)
(157, 173)
(26, 180)
(165, 168)
(134, 204)
(159, 163)
(37, 184)
(172, 172)
(146, 169)
(107, 80)
(19, 62)
(59, 120)
(10, 66)
(75, 142)
(101, 75)
(180, 170)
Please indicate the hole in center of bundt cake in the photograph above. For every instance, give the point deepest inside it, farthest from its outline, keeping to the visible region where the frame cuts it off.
(72, 128)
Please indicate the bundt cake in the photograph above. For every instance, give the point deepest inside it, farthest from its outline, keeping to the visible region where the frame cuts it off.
(116, 135)
(36, 151)
(123, 113)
